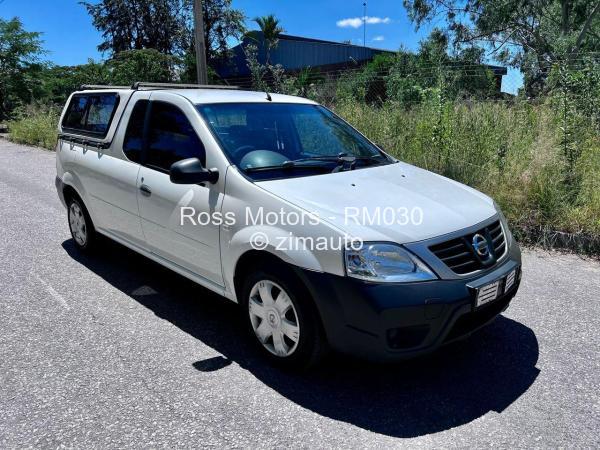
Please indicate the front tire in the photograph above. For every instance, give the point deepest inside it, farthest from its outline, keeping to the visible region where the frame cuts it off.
(80, 225)
(282, 319)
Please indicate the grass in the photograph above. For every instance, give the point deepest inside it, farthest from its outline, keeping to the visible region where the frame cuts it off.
(517, 153)
(543, 170)
(36, 126)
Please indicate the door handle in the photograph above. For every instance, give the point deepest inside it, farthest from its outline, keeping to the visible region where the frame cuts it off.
(145, 190)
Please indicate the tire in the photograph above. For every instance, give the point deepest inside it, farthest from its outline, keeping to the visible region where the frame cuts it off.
(81, 226)
(282, 319)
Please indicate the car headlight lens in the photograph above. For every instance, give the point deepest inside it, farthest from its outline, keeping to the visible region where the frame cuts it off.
(386, 263)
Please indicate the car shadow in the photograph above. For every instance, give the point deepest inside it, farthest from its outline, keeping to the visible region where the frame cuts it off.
(453, 386)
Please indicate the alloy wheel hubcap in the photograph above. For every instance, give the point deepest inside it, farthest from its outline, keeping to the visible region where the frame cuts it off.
(274, 318)
(77, 224)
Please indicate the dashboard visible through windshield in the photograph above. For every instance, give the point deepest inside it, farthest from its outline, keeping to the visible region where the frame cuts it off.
(278, 140)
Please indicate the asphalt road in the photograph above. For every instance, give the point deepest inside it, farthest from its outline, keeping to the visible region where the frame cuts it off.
(115, 351)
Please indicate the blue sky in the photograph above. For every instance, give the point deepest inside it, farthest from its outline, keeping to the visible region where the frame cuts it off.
(70, 38)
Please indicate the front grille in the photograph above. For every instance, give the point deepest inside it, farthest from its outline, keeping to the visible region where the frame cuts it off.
(460, 256)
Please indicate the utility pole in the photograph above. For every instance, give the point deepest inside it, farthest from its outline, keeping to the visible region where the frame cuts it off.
(364, 24)
(200, 44)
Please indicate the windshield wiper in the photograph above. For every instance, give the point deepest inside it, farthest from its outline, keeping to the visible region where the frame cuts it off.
(345, 158)
(339, 163)
(287, 165)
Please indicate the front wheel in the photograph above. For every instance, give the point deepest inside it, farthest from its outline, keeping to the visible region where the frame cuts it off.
(283, 320)
(80, 224)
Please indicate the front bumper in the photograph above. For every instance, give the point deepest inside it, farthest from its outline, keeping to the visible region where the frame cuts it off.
(393, 321)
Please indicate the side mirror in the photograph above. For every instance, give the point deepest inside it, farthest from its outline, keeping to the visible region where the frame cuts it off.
(191, 171)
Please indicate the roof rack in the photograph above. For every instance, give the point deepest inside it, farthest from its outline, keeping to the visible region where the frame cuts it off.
(101, 86)
(142, 85)
(139, 85)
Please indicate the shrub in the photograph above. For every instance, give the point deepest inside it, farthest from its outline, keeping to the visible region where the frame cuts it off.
(513, 152)
(37, 126)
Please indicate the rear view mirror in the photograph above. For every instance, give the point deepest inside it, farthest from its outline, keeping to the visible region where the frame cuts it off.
(191, 171)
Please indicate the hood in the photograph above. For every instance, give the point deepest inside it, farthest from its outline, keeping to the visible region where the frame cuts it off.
(396, 202)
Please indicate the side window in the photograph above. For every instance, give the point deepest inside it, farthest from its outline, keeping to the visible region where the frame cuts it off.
(101, 109)
(91, 114)
(134, 135)
(75, 117)
(171, 137)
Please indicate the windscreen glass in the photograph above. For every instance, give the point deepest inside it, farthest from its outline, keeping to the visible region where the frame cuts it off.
(268, 135)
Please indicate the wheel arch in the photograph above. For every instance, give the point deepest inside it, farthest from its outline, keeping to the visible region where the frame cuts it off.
(253, 259)
(246, 262)
(70, 192)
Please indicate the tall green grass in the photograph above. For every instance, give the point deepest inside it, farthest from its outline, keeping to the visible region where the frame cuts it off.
(37, 126)
(516, 152)
(543, 170)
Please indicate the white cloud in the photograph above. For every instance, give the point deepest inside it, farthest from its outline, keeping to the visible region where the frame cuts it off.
(379, 38)
(356, 22)
(374, 20)
(347, 23)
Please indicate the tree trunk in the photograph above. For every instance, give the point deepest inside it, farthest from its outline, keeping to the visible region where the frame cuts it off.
(564, 23)
(583, 32)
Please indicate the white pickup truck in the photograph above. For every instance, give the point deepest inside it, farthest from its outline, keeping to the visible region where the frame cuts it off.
(323, 239)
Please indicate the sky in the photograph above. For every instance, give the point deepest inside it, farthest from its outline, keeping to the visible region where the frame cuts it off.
(70, 38)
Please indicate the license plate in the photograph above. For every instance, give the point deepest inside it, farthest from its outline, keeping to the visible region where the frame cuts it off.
(487, 293)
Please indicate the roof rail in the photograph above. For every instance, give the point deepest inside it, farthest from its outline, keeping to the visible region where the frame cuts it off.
(101, 86)
(142, 85)
(139, 85)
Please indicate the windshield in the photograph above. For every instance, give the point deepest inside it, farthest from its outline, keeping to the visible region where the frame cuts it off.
(263, 138)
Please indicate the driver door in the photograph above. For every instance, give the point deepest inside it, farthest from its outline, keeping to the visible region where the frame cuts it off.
(171, 137)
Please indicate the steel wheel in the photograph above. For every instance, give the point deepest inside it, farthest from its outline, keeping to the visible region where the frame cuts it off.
(274, 318)
(77, 224)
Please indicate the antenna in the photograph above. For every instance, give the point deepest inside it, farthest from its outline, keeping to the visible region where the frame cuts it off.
(364, 24)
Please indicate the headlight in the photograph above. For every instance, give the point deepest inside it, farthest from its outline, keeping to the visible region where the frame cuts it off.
(386, 263)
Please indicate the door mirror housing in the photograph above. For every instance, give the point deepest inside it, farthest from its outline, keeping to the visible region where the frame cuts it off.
(191, 171)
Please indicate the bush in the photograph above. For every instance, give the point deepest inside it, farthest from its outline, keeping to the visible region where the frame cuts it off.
(141, 65)
(36, 126)
(515, 153)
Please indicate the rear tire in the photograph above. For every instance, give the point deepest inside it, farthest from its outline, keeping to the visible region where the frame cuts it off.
(81, 226)
(282, 319)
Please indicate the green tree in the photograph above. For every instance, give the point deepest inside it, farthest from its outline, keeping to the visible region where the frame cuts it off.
(221, 24)
(269, 25)
(166, 26)
(140, 24)
(530, 35)
(20, 66)
(60, 81)
(142, 65)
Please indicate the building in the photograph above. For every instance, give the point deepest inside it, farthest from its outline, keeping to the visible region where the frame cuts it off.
(295, 53)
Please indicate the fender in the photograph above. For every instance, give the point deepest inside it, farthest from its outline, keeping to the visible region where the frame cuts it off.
(276, 242)
(71, 180)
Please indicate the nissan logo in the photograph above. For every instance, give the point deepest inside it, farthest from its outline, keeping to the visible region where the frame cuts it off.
(480, 245)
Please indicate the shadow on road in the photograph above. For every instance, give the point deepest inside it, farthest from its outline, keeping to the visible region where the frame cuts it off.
(451, 387)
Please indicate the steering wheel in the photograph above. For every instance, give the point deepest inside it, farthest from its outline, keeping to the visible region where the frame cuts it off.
(243, 148)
